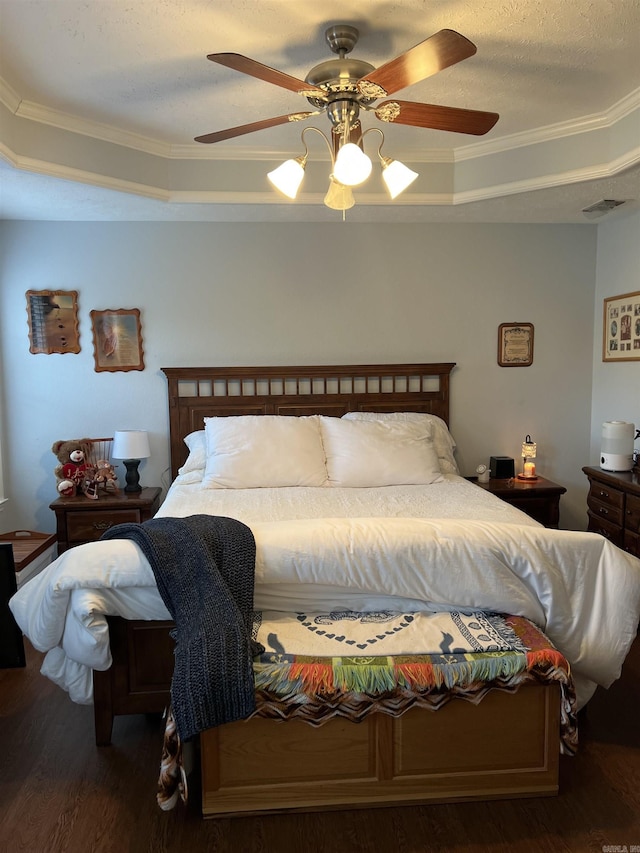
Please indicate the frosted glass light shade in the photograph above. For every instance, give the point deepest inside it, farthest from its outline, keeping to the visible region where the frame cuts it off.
(338, 196)
(288, 177)
(130, 444)
(352, 166)
(397, 177)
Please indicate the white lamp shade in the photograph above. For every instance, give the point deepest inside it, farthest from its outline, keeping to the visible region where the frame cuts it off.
(287, 177)
(339, 197)
(397, 177)
(352, 166)
(130, 444)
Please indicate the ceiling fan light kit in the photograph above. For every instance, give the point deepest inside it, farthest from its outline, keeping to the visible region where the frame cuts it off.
(352, 166)
(288, 176)
(396, 176)
(341, 88)
(338, 196)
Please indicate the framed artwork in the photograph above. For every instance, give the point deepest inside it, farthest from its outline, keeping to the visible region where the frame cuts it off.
(621, 328)
(53, 321)
(117, 340)
(515, 344)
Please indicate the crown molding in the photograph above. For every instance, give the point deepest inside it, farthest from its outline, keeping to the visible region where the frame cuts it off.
(9, 97)
(196, 151)
(67, 173)
(603, 170)
(574, 176)
(185, 153)
(551, 133)
(93, 129)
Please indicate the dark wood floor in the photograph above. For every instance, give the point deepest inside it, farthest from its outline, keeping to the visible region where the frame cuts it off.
(58, 792)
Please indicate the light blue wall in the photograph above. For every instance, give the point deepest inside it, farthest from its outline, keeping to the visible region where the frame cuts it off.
(295, 294)
(616, 386)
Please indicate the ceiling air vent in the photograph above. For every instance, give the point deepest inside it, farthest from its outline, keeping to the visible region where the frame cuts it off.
(601, 207)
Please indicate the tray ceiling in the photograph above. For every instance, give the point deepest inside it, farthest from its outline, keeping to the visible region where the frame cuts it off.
(101, 102)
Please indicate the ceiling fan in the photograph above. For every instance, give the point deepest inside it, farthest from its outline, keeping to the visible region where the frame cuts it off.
(343, 87)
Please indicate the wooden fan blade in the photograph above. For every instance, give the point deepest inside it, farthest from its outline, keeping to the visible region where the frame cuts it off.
(439, 51)
(263, 72)
(436, 118)
(232, 132)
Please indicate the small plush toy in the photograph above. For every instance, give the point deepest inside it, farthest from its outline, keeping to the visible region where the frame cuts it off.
(100, 476)
(105, 476)
(73, 469)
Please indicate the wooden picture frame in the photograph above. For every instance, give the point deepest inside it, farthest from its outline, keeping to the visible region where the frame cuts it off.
(621, 327)
(515, 344)
(117, 340)
(53, 321)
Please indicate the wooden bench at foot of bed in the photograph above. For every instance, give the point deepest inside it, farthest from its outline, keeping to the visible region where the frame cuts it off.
(505, 746)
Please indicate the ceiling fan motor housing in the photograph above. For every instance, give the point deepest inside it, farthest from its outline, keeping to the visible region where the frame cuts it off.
(337, 76)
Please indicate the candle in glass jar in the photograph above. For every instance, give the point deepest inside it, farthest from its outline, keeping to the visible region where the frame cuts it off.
(529, 469)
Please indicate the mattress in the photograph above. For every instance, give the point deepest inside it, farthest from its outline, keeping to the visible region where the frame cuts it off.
(453, 497)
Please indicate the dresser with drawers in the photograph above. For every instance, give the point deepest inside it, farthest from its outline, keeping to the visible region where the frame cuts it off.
(614, 506)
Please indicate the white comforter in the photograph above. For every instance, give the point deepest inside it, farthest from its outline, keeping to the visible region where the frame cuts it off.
(579, 588)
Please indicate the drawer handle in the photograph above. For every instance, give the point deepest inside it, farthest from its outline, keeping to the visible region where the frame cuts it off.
(604, 494)
(603, 510)
(102, 525)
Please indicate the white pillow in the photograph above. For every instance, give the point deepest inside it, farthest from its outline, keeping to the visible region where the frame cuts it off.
(262, 451)
(196, 460)
(442, 439)
(363, 453)
(190, 478)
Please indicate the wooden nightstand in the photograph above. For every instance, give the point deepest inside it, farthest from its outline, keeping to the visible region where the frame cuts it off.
(80, 519)
(540, 498)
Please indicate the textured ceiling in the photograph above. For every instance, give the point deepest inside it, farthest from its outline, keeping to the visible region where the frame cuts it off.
(139, 66)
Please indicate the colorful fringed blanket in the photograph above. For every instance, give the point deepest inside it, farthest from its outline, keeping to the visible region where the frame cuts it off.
(375, 652)
(300, 675)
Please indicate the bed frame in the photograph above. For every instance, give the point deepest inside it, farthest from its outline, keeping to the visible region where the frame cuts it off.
(505, 746)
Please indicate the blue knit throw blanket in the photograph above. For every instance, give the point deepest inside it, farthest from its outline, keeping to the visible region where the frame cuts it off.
(204, 568)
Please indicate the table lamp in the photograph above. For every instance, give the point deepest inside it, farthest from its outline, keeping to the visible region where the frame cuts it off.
(529, 450)
(131, 445)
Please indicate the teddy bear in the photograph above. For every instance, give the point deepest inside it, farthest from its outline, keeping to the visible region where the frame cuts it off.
(73, 469)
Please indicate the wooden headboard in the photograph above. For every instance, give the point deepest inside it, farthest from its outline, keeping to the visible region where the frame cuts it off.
(203, 392)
